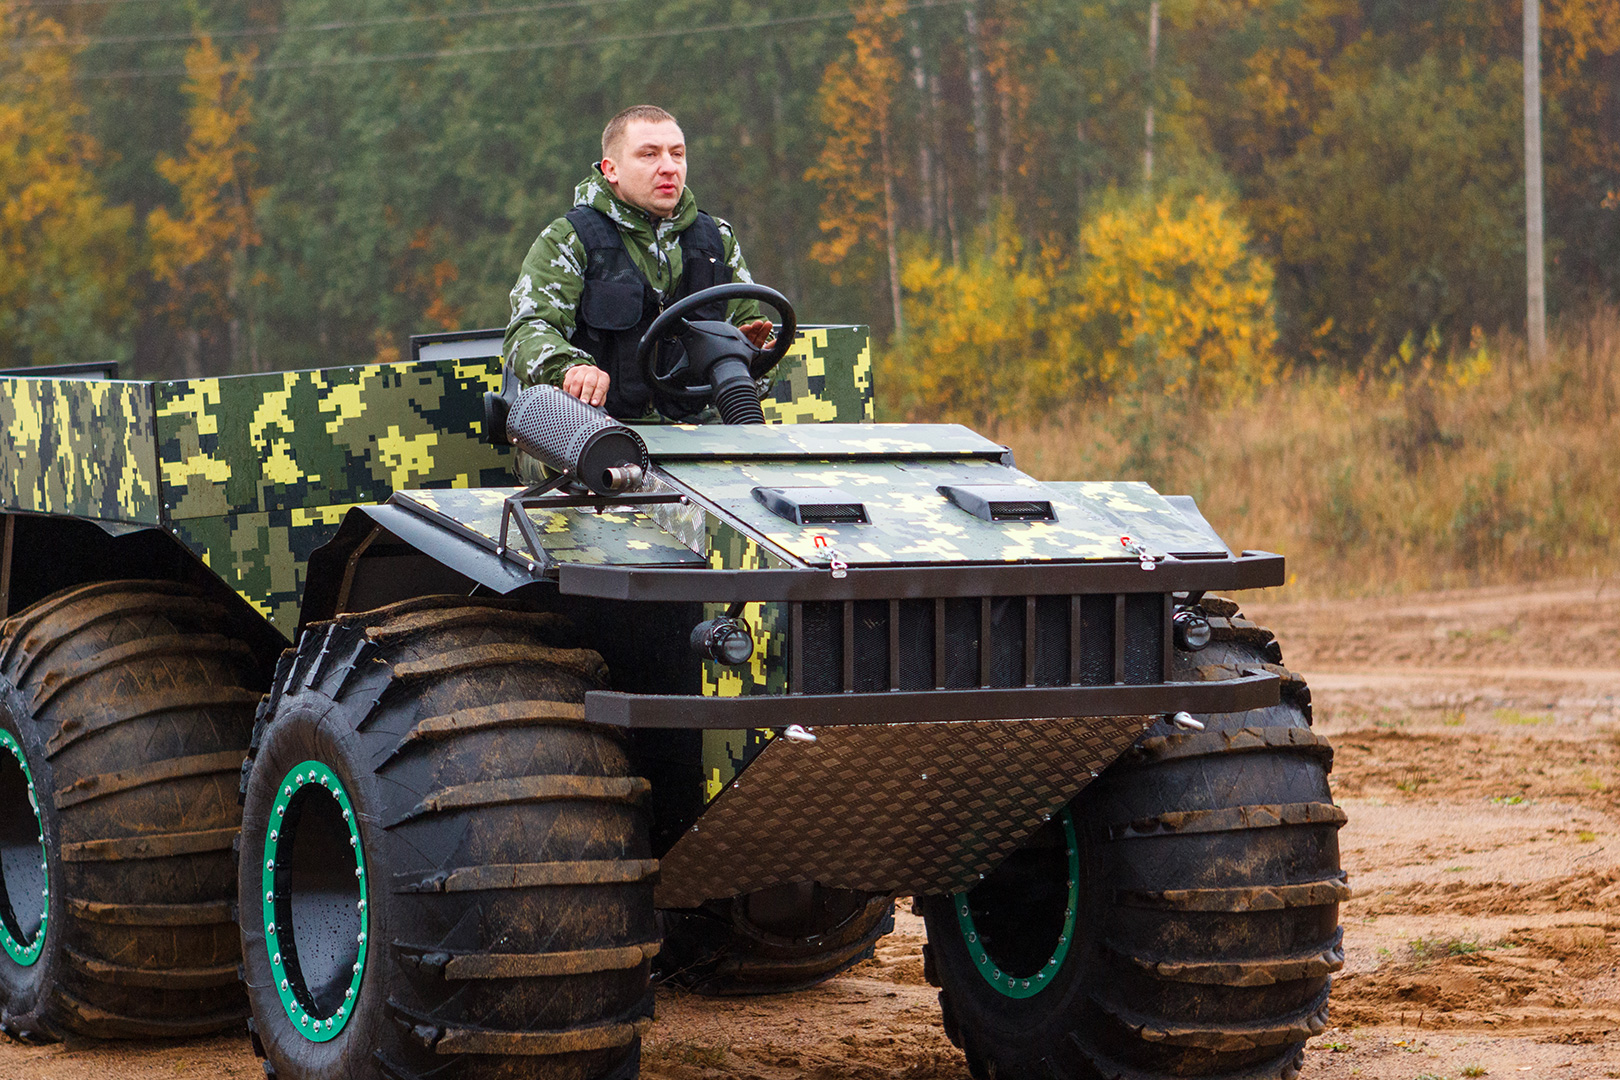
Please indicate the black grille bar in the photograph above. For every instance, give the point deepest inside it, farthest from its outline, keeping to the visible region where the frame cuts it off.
(1250, 691)
(849, 645)
(1119, 640)
(894, 644)
(1032, 641)
(1077, 649)
(796, 648)
(986, 652)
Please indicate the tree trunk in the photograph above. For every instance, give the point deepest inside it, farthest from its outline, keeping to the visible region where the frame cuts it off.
(1004, 163)
(925, 131)
(1535, 260)
(786, 181)
(191, 352)
(890, 229)
(981, 110)
(1080, 170)
(1153, 62)
(947, 187)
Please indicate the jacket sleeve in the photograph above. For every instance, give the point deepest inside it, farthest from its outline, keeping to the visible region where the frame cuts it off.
(544, 302)
(739, 311)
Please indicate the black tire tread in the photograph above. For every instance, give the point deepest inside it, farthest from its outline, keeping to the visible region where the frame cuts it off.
(1260, 971)
(141, 695)
(535, 875)
(1225, 971)
(170, 978)
(443, 694)
(1229, 1035)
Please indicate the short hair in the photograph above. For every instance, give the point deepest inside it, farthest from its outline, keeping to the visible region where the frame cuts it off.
(615, 127)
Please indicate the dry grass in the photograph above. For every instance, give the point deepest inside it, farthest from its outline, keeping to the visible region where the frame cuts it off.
(1431, 477)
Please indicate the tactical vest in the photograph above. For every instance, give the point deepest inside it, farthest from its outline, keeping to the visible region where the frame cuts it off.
(619, 303)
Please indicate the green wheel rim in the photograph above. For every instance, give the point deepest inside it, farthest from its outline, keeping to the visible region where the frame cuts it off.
(22, 947)
(1020, 986)
(311, 797)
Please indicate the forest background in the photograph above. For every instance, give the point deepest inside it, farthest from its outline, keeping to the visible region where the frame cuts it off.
(1268, 252)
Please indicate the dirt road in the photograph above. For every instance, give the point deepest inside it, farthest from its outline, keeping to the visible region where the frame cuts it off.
(1478, 756)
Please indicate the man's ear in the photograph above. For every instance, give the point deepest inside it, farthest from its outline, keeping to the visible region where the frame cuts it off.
(610, 171)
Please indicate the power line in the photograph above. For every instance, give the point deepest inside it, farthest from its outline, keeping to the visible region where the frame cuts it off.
(79, 3)
(504, 47)
(312, 28)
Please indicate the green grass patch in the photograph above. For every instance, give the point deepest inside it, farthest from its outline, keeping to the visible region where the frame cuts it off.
(1515, 718)
(1426, 949)
(703, 1055)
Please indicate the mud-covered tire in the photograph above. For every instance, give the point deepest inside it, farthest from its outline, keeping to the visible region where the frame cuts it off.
(1206, 929)
(503, 853)
(788, 938)
(131, 703)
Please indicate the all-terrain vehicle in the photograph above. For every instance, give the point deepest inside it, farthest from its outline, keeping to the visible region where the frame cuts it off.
(309, 712)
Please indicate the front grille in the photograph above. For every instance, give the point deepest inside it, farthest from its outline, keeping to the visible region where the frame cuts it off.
(962, 643)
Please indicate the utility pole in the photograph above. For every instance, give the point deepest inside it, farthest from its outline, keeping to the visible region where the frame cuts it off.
(981, 110)
(1535, 260)
(1153, 62)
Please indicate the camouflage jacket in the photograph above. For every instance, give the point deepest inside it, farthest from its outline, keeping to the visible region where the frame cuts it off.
(546, 296)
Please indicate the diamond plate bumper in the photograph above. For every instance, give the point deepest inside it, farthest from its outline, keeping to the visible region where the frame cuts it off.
(914, 808)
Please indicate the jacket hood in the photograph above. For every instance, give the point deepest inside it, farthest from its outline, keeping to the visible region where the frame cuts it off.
(594, 191)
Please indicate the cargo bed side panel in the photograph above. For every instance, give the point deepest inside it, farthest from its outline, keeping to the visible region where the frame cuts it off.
(82, 447)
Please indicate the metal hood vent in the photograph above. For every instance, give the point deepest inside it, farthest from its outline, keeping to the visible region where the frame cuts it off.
(813, 505)
(1000, 502)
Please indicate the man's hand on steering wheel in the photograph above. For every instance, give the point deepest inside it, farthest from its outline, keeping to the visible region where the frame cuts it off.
(757, 332)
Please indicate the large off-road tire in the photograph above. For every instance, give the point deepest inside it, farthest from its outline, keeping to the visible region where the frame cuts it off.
(773, 941)
(445, 872)
(1179, 920)
(125, 712)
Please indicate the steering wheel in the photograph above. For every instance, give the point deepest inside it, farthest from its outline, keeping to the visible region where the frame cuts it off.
(718, 359)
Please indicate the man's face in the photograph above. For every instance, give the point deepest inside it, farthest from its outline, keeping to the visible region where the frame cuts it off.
(648, 166)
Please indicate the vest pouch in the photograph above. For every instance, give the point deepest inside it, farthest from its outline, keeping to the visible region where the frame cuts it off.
(612, 305)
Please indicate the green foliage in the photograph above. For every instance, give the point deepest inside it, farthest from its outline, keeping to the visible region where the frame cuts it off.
(1402, 210)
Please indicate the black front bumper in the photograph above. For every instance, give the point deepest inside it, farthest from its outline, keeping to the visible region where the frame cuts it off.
(1253, 690)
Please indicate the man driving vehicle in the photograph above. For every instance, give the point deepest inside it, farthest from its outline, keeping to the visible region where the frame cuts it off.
(634, 243)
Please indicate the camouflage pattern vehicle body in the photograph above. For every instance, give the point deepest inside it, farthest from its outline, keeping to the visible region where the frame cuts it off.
(501, 754)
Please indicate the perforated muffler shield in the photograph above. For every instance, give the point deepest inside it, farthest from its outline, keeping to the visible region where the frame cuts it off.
(903, 808)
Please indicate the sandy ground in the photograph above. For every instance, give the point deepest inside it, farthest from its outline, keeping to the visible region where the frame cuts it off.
(1478, 739)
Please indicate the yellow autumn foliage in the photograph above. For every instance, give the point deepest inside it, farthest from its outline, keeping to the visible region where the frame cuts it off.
(1171, 297)
(1162, 297)
(200, 253)
(854, 102)
(66, 256)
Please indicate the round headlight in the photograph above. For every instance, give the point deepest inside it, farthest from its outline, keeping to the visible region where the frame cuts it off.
(726, 640)
(1192, 630)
